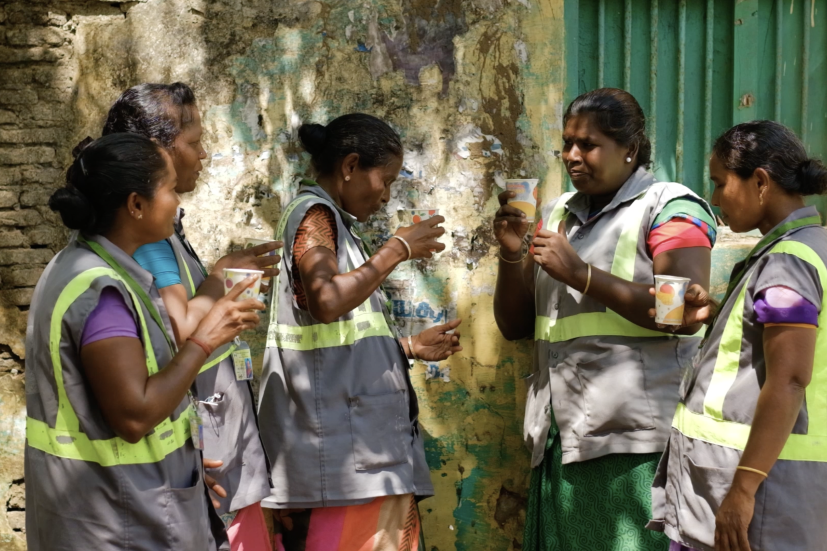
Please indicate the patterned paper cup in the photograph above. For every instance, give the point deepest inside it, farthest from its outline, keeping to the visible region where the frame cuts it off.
(526, 196)
(233, 277)
(418, 215)
(250, 242)
(669, 299)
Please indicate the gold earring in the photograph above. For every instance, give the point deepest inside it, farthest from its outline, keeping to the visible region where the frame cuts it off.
(140, 216)
(347, 178)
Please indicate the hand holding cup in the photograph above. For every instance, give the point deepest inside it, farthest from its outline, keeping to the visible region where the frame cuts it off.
(510, 225)
(422, 237)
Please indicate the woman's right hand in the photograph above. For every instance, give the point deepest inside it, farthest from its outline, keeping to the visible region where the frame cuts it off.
(510, 225)
(251, 259)
(422, 237)
(699, 307)
(228, 318)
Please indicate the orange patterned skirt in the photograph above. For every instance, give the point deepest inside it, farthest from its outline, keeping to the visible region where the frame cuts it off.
(389, 523)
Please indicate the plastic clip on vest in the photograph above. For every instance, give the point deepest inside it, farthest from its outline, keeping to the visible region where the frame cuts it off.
(65, 439)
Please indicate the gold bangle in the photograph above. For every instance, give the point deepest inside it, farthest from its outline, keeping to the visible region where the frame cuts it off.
(751, 470)
(512, 261)
(588, 279)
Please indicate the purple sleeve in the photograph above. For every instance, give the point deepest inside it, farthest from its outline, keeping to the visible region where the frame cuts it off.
(781, 304)
(110, 318)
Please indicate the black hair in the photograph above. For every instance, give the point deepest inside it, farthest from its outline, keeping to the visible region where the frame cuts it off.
(373, 139)
(104, 174)
(618, 115)
(775, 148)
(158, 111)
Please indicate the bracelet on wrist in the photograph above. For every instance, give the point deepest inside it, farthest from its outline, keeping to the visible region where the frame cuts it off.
(204, 346)
(410, 348)
(408, 247)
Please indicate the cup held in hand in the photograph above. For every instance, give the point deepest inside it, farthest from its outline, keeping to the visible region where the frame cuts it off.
(525, 195)
(670, 292)
(233, 277)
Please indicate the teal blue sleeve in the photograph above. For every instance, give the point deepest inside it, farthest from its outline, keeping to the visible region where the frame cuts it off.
(159, 260)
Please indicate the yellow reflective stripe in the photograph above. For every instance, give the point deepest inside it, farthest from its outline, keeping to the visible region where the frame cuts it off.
(728, 359)
(623, 263)
(593, 324)
(710, 425)
(218, 359)
(558, 212)
(816, 392)
(167, 437)
(285, 215)
(189, 276)
(66, 439)
(799, 447)
(338, 333)
(66, 418)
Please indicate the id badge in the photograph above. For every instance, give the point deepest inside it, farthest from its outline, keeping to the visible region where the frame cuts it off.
(197, 432)
(243, 363)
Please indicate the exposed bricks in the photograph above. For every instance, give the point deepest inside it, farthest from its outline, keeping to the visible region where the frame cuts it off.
(26, 155)
(8, 199)
(30, 136)
(18, 297)
(21, 276)
(20, 218)
(13, 257)
(12, 238)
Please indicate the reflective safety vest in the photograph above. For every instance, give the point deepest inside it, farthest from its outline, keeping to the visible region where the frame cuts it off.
(227, 408)
(87, 488)
(711, 425)
(365, 322)
(609, 385)
(66, 439)
(338, 411)
(608, 323)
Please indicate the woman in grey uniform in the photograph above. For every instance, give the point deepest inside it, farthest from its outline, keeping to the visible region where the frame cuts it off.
(339, 413)
(112, 437)
(746, 466)
(168, 114)
(605, 381)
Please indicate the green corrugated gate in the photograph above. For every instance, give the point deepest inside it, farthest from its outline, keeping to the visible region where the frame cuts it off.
(699, 66)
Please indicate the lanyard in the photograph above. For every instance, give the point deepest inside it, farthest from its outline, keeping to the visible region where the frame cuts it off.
(137, 289)
(765, 241)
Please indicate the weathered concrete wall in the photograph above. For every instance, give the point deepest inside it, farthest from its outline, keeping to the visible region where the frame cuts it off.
(474, 87)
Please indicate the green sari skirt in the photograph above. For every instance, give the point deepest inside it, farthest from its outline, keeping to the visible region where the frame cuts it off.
(598, 505)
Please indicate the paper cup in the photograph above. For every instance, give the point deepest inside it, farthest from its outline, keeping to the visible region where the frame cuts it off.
(232, 277)
(250, 242)
(526, 196)
(418, 215)
(669, 299)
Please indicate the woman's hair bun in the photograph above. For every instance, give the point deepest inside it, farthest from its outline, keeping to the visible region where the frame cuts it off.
(81, 146)
(313, 137)
(812, 177)
(74, 208)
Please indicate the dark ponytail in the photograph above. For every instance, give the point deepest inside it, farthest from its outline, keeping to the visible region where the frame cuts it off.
(618, 115)
(158, 111)
(104, 174)
(775, 148)
(373, 139)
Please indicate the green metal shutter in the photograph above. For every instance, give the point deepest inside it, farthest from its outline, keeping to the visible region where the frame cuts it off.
(699, 66)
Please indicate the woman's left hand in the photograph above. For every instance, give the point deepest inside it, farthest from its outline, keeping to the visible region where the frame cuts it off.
(436, 344)
(558, 259)
(212, 483)
(732, 521)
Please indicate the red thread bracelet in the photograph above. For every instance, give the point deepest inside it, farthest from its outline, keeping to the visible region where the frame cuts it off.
(207, 350)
